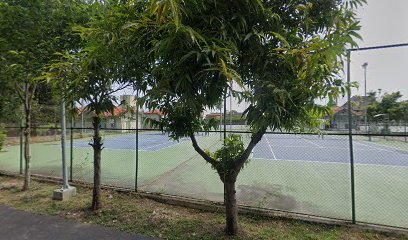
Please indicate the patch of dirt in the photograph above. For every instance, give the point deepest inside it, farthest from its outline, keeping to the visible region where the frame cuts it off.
(10, 185)
(174, 184)
(265, 196)
(77, 215)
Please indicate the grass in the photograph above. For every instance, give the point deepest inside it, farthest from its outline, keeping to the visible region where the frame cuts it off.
(132, 213)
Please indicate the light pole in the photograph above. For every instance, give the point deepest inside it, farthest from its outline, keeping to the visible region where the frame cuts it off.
(365, 96)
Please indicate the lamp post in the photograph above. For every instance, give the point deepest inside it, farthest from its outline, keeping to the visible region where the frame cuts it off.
(365, 96)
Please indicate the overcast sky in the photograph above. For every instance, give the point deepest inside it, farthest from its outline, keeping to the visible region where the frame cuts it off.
(383, 22)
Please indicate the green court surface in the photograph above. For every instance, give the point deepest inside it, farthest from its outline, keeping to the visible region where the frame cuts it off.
(321, 188)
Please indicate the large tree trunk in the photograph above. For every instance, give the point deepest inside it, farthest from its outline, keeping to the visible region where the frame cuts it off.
(97, 147)
(27, 140)
(231, 206)
(229, 178)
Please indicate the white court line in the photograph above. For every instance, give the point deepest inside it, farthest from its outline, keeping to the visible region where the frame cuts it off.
(291, 146)
(311, 142)
(311, 161)
(171, 145)
(270, 147)
(335, 148)
(152, 146)
(382, 149)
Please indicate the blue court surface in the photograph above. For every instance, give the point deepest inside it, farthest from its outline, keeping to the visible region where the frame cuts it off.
(310, 148)
(147, 142)
(327, 149)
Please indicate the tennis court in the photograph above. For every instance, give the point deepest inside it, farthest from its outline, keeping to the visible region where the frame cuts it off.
(150, 141)
(310, 148)
(328, 149)
(296, 173)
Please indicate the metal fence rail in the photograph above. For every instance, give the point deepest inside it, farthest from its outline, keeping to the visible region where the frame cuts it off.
(300, 173)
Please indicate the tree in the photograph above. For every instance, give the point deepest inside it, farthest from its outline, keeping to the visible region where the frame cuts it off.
(96, 72)
(30, 32)
(283, 55)
(390, 105)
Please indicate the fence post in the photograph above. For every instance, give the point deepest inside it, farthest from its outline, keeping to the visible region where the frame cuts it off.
(225, 130)
(225, 114)
(137, 146)
(350, 128)
(21, 145)
(71, 151)
(405, 124)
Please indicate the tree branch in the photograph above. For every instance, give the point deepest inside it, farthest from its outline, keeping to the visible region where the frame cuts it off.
(254, 140)
(123, 86)
(20, 91)
(202, 153)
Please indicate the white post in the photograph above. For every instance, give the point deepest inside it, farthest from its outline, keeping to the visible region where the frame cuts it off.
(67, 191)
(63, 146)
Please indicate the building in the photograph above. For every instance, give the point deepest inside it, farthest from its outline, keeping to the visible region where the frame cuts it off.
(340, 118)
(121, 118)
(154, 115)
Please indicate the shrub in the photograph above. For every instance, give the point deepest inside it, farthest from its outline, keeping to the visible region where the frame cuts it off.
(2, 138)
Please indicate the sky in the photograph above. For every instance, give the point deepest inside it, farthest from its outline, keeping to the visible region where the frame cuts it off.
(383, 22)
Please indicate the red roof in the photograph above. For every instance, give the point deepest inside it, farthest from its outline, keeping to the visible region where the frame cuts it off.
(117, 111)
(157, 112)
(337, 109)
(213, 115)
(342, 109)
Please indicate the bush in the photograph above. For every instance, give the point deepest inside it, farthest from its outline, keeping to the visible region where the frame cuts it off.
(2, 138)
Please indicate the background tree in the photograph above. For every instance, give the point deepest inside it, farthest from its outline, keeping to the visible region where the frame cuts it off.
(283, 55)
(96, 72)
(390, 104)
(30, 32)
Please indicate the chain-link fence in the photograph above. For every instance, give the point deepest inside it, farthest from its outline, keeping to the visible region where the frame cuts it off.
(299, 173)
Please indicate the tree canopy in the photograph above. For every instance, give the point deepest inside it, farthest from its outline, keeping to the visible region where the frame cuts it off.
(107, 62)
(30, 33)
(282, 54)
(389, 104)
(292, 50)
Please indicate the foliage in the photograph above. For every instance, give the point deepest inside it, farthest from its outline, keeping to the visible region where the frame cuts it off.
(95, 71)
(185, 55)
(282, 54)
(228, 155)
(283, 58)
(3, 137)
(31, 31)
(390, 105)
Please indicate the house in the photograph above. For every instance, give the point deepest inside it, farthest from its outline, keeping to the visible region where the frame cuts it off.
(154, 115)
(122, 117)
(340, 118)
(214, 115)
